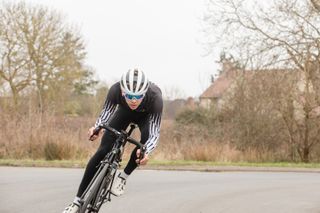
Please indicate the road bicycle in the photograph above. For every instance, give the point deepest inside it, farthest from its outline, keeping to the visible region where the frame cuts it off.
(98, 191)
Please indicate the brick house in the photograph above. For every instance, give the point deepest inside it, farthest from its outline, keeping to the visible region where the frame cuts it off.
(213, 94)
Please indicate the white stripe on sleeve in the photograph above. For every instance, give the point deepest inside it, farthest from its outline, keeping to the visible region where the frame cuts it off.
(154, 133)
(106, 113)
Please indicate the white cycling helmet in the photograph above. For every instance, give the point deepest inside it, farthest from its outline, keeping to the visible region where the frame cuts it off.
(134, 82)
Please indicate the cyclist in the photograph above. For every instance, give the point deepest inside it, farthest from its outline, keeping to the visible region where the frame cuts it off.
(133, 99)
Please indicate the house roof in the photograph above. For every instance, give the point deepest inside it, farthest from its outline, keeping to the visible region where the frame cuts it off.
(217, 88)
(222, 83)
(228, 75)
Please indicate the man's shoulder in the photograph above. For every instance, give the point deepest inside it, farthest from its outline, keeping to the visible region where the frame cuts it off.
(115, 88)
(155, 90)
(114, 93)
(155, 98)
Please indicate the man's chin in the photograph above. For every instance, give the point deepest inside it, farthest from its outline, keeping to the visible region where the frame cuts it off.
(133, 107)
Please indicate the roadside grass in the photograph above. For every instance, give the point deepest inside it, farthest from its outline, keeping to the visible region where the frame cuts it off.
(154, 163)
(241, 164)
(43, 163)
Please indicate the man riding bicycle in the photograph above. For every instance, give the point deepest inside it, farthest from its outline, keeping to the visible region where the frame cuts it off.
(134, 99)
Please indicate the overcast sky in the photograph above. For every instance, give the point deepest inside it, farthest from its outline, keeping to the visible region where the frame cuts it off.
(161, 37)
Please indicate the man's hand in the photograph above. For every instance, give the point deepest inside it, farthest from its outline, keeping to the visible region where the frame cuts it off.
(144, 160)
(93, 137)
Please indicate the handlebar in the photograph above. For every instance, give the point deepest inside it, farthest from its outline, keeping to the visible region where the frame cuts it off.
(125, 135)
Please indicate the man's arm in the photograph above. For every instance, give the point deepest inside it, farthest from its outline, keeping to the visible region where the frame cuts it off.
(154, 132)
(107, 112)
(109, 106)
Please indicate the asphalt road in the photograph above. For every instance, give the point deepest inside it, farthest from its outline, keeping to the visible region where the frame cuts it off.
(49, 190)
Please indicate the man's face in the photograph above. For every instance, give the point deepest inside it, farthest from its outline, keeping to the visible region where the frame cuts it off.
(133, 101)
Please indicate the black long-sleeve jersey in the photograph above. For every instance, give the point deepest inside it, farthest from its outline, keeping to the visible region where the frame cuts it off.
(151, 106)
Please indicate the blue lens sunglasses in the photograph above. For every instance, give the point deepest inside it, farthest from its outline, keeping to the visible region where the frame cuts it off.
(130, 97)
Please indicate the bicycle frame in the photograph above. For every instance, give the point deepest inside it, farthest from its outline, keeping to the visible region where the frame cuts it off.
(98, 191)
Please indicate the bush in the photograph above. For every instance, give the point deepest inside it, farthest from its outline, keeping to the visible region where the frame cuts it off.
(52, 151)
(198, 116)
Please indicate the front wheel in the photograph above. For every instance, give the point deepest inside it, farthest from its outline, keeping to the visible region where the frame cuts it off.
(104, 191)
(88, 197)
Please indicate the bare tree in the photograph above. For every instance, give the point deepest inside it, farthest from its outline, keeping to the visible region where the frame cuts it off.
(316, 4)
(14, 65)
(173, 92)
(276, 35)
(39, 50)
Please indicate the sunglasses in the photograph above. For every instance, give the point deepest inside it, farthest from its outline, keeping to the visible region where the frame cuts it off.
(130, 97)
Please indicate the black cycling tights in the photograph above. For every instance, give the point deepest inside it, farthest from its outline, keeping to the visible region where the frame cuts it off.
(121, 119)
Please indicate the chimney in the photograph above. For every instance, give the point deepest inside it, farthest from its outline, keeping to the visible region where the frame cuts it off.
(212, 78)
(227, 67)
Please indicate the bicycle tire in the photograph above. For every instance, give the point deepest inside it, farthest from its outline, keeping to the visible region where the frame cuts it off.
(103, 191)
(91, 192)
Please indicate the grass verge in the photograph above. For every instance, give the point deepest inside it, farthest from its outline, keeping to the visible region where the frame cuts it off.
(235, 164)
(154, 164)
(43, 163)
